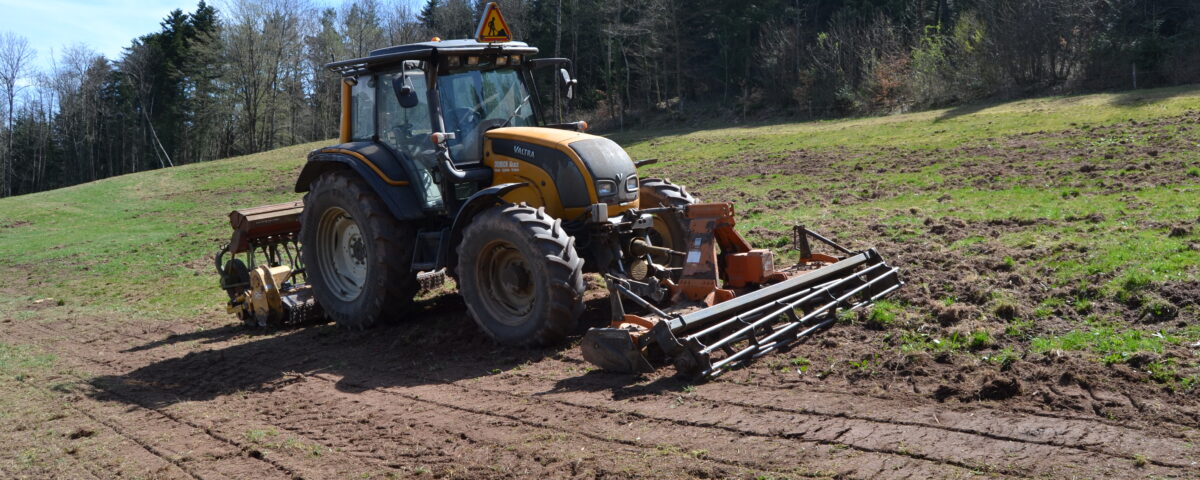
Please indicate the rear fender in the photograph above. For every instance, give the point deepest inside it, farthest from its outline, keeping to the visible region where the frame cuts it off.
(480, 201)
(374, 164)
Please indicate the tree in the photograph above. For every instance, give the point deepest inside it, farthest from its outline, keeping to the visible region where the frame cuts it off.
(362, 27)
(429, 15)
(15, 58)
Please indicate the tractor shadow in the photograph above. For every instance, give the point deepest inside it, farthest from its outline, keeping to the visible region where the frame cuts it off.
(439, 344)
(964, 110)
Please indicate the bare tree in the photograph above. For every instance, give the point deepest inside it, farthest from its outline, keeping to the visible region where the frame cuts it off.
(362, 27)
(264, 43)
(15, 58)
(402, 25)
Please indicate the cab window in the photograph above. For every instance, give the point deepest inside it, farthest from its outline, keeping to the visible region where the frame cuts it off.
(407, 130)
(476, 100)
(362, 99)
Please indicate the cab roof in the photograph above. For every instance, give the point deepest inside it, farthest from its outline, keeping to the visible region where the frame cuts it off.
(425, 50)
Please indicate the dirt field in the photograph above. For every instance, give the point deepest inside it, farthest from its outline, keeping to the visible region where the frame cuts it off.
(910, 391)
(194, 400)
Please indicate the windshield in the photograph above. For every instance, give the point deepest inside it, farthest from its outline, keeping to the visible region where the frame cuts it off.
(474, 101)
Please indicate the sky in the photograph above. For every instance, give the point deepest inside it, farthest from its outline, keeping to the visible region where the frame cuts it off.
(106, 26)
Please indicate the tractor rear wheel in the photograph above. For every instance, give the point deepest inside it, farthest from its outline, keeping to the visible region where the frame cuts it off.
(670, 229)
(357, 256)
(520, 276)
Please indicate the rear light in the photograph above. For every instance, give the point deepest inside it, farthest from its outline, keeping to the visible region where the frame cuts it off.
(501, 61)
(472, 60)
(516, 60)
(453, 62)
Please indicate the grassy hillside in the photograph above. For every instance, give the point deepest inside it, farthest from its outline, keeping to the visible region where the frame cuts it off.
(1040, 225)
(139, 243)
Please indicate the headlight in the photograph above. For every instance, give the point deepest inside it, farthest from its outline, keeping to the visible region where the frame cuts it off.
(631, 183)
(605, 188)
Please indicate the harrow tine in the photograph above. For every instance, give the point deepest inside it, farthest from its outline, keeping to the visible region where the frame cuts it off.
(770, 347)
(789, 306)
(742, 317)
(783, 335)
(775, 345)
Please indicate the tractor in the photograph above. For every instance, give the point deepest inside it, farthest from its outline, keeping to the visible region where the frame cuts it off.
(447, 164)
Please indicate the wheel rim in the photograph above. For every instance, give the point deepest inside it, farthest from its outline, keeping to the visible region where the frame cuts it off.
(507, 282)
(342, 254)
(661, 235)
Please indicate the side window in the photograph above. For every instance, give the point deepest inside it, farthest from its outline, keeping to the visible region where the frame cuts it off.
(405, 129)
(363, 104)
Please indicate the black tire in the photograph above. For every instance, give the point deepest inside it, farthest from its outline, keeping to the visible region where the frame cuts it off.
(520, 276)
(384, 251)
(235, 278)
(670, 230)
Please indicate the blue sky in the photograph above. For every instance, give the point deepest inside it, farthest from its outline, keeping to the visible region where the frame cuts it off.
(107, 26)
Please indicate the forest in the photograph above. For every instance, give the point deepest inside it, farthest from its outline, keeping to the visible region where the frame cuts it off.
(248, 76)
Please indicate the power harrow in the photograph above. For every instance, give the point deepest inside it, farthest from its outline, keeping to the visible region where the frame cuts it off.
(710, 329)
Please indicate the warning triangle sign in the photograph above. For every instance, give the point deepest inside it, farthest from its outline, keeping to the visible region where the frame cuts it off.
(492, 27)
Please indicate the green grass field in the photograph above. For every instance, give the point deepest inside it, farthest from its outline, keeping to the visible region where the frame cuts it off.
(1090, 201)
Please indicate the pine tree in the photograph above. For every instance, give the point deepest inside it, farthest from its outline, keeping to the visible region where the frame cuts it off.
(429, 15)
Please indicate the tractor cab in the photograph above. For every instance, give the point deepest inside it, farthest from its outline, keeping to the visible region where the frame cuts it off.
(433, 102)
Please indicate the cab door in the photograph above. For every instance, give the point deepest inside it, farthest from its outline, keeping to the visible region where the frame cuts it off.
(406, 131)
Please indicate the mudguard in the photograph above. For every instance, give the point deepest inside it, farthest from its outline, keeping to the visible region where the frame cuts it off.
(480, 201)
(375, 164)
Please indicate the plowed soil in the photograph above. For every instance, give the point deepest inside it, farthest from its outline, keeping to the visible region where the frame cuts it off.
(432, 397)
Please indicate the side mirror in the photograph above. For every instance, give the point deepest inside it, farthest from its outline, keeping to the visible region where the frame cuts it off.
(404, 91)
(568, 83)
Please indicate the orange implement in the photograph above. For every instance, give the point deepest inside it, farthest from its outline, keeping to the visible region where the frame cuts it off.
(717, 252)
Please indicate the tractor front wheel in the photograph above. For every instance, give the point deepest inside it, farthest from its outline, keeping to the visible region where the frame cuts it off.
(520, 276)
(670, 229)
(357, 256)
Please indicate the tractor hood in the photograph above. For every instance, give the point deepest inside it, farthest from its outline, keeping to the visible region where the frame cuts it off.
(605, 164)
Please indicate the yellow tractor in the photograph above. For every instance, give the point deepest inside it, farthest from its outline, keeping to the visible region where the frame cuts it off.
(446, 162)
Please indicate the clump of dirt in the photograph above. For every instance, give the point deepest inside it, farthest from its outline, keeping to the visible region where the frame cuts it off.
(1000, 389)
(1180, 231)
(81, 433)
(948, 315)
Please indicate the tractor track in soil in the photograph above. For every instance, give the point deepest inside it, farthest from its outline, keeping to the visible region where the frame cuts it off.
(427, 392)
(721, 429)
(858, 396)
